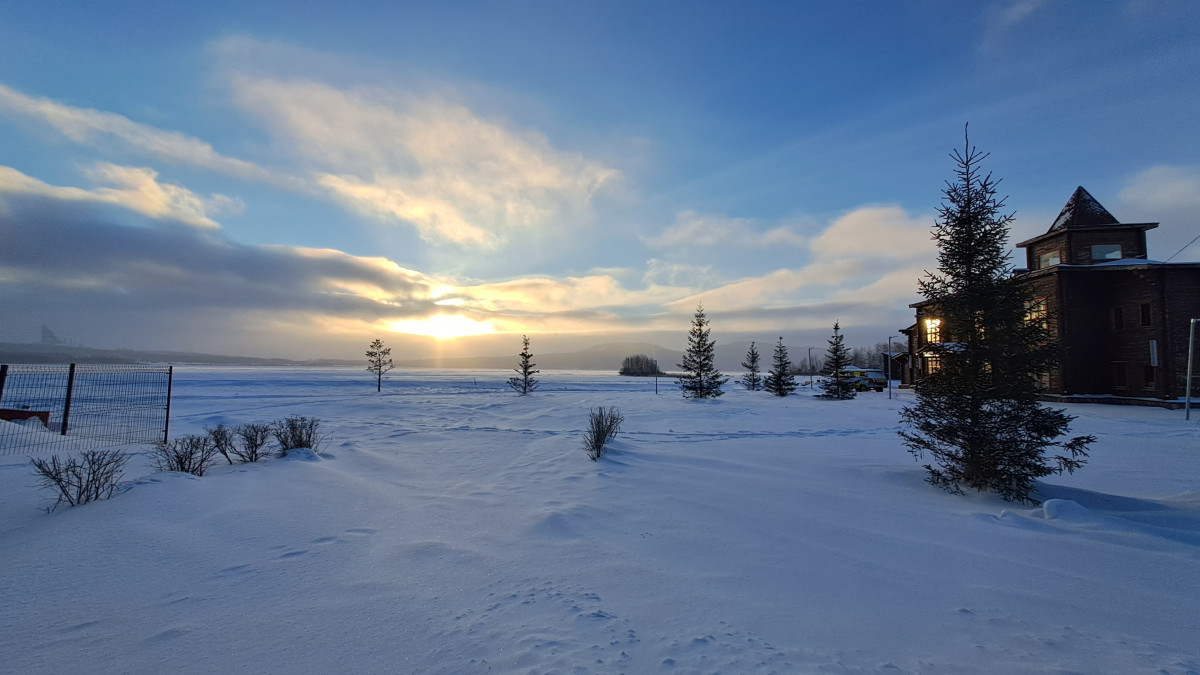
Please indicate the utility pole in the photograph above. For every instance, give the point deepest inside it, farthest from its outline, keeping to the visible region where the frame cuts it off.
(1187, 397)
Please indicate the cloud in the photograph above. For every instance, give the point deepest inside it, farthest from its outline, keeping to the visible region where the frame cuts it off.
(92, 127)
(1169, 195)
(1020, 10)
(423, 160)
(692, 229)
(137, 189)
(875, 232)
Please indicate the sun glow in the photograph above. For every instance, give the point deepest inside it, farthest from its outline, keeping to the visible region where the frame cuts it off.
(443, 326)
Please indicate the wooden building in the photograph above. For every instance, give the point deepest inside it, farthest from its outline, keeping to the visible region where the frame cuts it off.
(1120, 320)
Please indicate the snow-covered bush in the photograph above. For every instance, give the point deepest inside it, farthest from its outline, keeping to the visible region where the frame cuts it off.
(603, 425)
(254, 439)
(297, 432)
(91, 475)
(189, 454)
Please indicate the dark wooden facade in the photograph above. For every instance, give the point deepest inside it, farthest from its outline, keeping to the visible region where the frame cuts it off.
(1121, 321)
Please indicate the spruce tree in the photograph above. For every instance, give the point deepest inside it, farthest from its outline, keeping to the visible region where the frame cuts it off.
(780, 380)
(977, 415)
(700, 378)
(379, 361)
(751, 379)
(837, 385)
(524, 382)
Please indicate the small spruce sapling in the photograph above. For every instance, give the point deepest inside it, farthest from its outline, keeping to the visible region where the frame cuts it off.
(752, 380)
(838, 385)
(524, 382)
(700, 378)
(779, 380)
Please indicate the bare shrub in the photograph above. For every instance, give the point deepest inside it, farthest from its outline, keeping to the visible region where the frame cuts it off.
(222, 439)
(603, 425)
(189, 454)
(297, 432)
(91, 475)
(254, 438)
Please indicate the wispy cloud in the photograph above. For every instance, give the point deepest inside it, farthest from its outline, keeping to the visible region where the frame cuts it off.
(136, 189)
(1020, 10)
(692, 229)
(96, 127)
(422, 160)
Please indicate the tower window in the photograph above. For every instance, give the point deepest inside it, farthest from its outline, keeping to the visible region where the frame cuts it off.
(1102, 252)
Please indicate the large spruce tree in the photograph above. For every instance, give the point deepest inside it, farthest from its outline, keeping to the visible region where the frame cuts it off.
(976, 415)
(700, 378)
(838, 385)
(752, 379)
(780, 380)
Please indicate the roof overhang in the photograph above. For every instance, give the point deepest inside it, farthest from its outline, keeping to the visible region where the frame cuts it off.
(1096, 228)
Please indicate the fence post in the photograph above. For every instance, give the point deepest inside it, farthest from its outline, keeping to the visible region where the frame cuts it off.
(67, 403)
(167, 421)
(3, 377)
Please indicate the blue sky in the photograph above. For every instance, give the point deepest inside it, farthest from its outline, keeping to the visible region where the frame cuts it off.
(296, 179)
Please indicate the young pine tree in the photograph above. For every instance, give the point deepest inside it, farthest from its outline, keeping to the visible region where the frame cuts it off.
(524, 382)
(379, 361)
(751, 379)
(837, 385)
(700, 378)
(976, 415)
(780, 380)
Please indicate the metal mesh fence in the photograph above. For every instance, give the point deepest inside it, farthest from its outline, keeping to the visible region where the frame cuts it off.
(47, 408)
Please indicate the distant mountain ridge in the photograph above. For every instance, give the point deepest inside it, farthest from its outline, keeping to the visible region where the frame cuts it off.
(600, 357)
(12, 352)
(603, 357)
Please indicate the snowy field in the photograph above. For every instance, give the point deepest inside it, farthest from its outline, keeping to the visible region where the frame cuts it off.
(451, 526)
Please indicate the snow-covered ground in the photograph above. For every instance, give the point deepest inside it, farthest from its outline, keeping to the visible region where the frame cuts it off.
(453, 527)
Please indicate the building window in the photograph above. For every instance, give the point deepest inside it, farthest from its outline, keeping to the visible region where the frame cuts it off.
(1149, 376)
(1035, 313)
(1119, 375)
(1102, 252)
(1048, 260)
(1146, 317)
(1118, 318)
(933, 331)
(1041, 381)
(932, 364)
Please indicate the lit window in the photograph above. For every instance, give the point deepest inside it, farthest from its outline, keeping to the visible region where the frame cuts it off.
(1048, 260)
(933, 330)
(1101, 252)
(933, 364)
(1035, 313)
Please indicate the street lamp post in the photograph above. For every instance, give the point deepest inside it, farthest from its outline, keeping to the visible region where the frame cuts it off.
(810, 369)
(888, 356)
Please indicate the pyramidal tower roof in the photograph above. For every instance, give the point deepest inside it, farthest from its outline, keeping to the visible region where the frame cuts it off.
(1082, 210)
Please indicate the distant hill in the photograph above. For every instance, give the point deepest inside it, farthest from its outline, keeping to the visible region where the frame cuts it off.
(11, 352)
(601, 357)
(604, 357)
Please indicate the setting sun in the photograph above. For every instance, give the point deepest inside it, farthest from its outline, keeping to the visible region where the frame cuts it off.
(443, 326)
